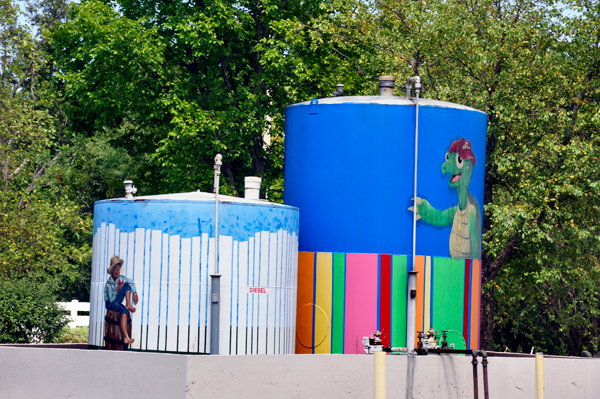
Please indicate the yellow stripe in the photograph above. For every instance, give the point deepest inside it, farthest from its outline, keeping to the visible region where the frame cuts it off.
(323, 301)
(427, 310)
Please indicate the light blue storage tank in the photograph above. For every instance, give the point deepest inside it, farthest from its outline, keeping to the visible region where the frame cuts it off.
(167, 244)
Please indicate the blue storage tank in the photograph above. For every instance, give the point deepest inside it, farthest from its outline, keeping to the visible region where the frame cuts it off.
(167, 244)
(349, 167)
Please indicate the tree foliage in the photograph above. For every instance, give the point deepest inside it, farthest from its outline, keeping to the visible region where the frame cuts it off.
(183, 81)
(534, 70)
(45, 249)
(43, 234)
(153, 90)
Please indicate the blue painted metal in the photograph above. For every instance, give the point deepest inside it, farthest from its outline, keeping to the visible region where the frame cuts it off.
(349, 165)
(190, 218)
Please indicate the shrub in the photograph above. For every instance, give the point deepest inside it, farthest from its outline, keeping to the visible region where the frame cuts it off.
(77, 335)
(29, 312)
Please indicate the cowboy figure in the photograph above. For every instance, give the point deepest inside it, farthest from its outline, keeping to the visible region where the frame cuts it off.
(117, 288)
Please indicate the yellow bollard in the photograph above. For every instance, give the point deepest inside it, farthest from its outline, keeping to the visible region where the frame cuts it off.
(380, 378)
(539, 376)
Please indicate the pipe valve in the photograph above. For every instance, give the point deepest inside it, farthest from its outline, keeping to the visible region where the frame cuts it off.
(373, 343)
(417, 81)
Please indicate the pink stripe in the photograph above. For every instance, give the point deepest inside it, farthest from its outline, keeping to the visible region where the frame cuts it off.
(361, 300)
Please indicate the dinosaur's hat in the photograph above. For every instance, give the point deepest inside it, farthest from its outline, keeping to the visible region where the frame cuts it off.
(463, 148)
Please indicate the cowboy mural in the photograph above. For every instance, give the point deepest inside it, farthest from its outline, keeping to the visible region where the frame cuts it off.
(117, 289)
(465, 217)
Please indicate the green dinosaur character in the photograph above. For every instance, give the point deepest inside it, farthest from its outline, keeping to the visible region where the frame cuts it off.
(465, 236)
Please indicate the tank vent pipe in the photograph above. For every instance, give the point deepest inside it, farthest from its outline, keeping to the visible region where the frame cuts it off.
(386, 85)
(339, 91)
(130, 189)
(252, 187)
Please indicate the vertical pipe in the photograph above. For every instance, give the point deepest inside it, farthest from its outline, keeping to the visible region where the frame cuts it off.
(216, 190)
(475, 383)
(215, 287)
(539, 376)
(414, 248)
(215, 278)
(380, 375)
(411, 309)
(410, 372)
(484, 363)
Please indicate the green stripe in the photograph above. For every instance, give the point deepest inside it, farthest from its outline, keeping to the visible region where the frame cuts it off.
(399, 276)
(448, 294)
(337, 311)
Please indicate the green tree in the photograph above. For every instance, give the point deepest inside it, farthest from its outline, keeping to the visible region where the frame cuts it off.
(155, 89)
(43, 233)
(534, 70)
(183, 81)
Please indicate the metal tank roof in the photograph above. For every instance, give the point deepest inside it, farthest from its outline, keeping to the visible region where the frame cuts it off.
(388, 100)
(195, 196)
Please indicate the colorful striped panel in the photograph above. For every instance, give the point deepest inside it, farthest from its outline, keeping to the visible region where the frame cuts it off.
(385, 284)
(475, 302)
(323, 308)
(361, 300)
(342, 297)
(398, 300)
(304, 317)
(339, 292)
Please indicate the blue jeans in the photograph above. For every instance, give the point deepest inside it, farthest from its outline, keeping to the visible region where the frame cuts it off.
(117, 304)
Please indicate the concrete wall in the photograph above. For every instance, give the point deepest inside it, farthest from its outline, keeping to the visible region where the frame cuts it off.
(63, 373)
(71, 373)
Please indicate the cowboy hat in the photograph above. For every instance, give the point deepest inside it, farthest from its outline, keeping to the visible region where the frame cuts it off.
(114, 262)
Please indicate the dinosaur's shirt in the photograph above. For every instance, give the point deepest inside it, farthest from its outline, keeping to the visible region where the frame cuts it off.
(460, 236)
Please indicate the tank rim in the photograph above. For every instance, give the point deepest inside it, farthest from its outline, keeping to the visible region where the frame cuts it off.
(384, 100)
(195, 197)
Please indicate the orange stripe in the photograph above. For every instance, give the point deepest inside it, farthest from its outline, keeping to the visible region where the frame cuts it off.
(475, 302)
(420, 268)
(304, 315)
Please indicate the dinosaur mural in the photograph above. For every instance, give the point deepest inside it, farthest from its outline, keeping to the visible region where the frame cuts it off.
(465, 236)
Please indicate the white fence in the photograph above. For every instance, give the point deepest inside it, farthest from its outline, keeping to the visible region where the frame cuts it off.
(74, 307)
